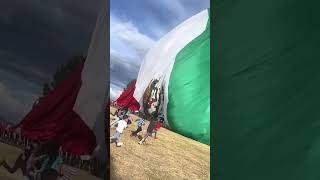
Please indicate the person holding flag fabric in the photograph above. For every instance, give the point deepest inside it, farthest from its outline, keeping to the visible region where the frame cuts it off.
(151, 127)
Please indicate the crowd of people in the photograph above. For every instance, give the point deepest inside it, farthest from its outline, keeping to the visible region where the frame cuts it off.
(38, 157)
(38, 162)
(122, 120)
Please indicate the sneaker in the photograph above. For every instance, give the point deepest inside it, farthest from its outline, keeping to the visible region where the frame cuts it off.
(144, 142)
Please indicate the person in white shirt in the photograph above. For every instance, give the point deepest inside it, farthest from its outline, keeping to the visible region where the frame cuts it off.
(121, 125)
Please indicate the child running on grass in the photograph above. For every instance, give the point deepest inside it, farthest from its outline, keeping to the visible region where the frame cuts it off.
(121, 125)
(151, 127)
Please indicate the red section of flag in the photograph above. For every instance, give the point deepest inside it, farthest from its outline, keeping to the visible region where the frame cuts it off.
(126, 99)
(54, 119)
(158, 126)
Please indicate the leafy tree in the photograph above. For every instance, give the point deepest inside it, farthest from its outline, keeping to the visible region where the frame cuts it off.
(61, 74)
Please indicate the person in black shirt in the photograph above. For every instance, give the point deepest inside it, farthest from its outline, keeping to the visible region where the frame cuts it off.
(151, 127)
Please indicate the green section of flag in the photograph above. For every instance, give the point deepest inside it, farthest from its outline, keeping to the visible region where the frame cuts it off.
(266, 85)
(189, 90)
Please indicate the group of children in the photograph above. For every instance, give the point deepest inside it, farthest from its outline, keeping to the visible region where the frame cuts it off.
(123, 120)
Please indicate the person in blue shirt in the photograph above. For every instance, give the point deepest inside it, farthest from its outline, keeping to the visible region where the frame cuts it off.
(51, 163)
(140, 125)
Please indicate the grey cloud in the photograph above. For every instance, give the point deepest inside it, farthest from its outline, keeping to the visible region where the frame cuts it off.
(46, 32)
(10, 63)
(115, 91)
(128, 34)
(121, 71)
(155, 18)
(17, 95)
(36, 38)
(14, 107)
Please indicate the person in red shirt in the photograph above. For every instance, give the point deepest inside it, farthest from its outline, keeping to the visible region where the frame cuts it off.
(158, 126)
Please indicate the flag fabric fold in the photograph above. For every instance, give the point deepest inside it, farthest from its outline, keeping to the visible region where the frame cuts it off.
(126, 99)
(266, 90)
(54, 119)
(174, 77)
(73, 115)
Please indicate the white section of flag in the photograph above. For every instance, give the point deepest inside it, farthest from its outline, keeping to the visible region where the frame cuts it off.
(159, 60)
(95, 75)
(93, 95)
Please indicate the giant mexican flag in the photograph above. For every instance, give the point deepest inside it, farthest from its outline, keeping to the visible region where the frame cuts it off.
(266, 84)
(73, 114)
(174, 77)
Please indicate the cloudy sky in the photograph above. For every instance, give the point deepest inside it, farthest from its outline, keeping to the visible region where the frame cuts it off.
(135, 25)
(36, 37)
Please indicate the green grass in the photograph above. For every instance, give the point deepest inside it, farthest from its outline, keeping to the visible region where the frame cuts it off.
(170, 156)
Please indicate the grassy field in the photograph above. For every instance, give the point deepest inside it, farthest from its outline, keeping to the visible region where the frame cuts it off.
(10, 153)
(170, 156)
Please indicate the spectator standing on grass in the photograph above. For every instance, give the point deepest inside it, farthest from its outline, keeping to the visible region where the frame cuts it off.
(121, 125)
(140, 125)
